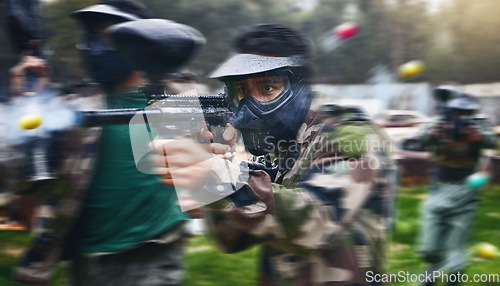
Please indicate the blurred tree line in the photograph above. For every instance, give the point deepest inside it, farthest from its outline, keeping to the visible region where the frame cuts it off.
(458, 42)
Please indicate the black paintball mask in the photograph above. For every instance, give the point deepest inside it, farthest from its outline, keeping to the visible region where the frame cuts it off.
(269, 106)
(101, 60)
(463, 105)
(461, 111)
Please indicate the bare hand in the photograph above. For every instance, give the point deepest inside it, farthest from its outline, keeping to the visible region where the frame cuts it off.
(181, 163)
(18, 73)
(192, 206)
(473, 134)
(440, 130)
(185, 163)
(230, 137)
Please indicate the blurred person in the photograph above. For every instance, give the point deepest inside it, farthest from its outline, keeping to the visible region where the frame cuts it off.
(23, 22)
(184, 82)
(319, 184)
(455, 141)
(28, 76)
(117, 225)
(18, 75)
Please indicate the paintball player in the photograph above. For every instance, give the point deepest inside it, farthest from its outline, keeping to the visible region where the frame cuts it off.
(33, 64)
(118, 225)
(455, 142)
(24, 25)
(29, 76)
(319, 181)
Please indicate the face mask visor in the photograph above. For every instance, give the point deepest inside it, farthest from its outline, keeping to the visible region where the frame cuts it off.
(264, 91)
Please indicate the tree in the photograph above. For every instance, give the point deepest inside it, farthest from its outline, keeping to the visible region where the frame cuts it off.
(220, 21)
(458, 42)
(472, 43)
(62, 34)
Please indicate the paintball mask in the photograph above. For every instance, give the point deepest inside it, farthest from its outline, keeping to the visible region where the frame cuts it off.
(461, 112)
(457, 110)
(270, 97)
(105, 65)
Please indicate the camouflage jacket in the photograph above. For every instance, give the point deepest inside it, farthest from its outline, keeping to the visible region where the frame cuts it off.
(457, 153)
(324, 220)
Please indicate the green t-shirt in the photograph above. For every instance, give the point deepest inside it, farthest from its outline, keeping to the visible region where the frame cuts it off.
(124, 207)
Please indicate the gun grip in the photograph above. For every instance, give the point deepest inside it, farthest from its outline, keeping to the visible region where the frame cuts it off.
(218, 134)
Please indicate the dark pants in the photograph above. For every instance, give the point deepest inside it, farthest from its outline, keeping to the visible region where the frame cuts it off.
(148, 265)
(448, 214)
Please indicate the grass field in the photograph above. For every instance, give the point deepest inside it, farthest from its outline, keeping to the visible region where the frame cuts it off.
(207, 266)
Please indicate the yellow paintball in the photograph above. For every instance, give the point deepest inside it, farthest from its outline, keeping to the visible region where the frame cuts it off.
(486, 250)
(30, 121)
(411, 69)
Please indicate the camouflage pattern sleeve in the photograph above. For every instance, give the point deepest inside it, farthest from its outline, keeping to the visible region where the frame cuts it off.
(490, 140)
(457, 147)
(339, 176)
(424, 134)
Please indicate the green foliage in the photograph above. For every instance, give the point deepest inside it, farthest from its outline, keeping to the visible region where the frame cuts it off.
(62, 35)
(10, 242)
(459, 42)
(404, 244)
(206, 265)
(220, 21)
(473, 42)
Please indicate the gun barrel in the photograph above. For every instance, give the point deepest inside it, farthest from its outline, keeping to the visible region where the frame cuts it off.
(214, 108)
(103, 117)
(94, 118)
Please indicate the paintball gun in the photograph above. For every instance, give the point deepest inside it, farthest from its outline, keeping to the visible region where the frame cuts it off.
(166, 116)
(156, 47)
(171, 115)
(455, 112)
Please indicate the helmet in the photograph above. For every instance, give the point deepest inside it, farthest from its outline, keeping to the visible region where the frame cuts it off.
(444, 93)
(267, 82)
(156, 46)
(103, 63)
(117, 10)
(461, 110)
(464, 102)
